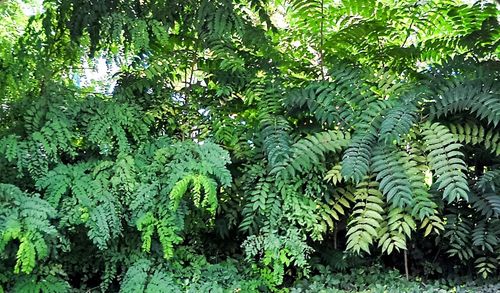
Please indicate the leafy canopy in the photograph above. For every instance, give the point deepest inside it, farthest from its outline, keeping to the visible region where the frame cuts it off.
(245, 145)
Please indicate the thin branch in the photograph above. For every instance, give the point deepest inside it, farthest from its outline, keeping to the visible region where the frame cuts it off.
(407, 273)
(408, 33)
(410, 27)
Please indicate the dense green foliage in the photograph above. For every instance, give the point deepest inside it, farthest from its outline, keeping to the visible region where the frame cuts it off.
(245, 146)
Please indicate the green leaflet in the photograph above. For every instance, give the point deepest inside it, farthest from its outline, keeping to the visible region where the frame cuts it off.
(25, 218)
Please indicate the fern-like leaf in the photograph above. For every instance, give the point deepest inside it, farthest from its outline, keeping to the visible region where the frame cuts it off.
(395, 229)
(445, 160)
(397, 123)
(366, 217)
(357, 157)
(478, 96)
(459, 231)
(311, 151)
(49, 284)
(391, 165)
(474, 134)
(490, 180)
(136, 277)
